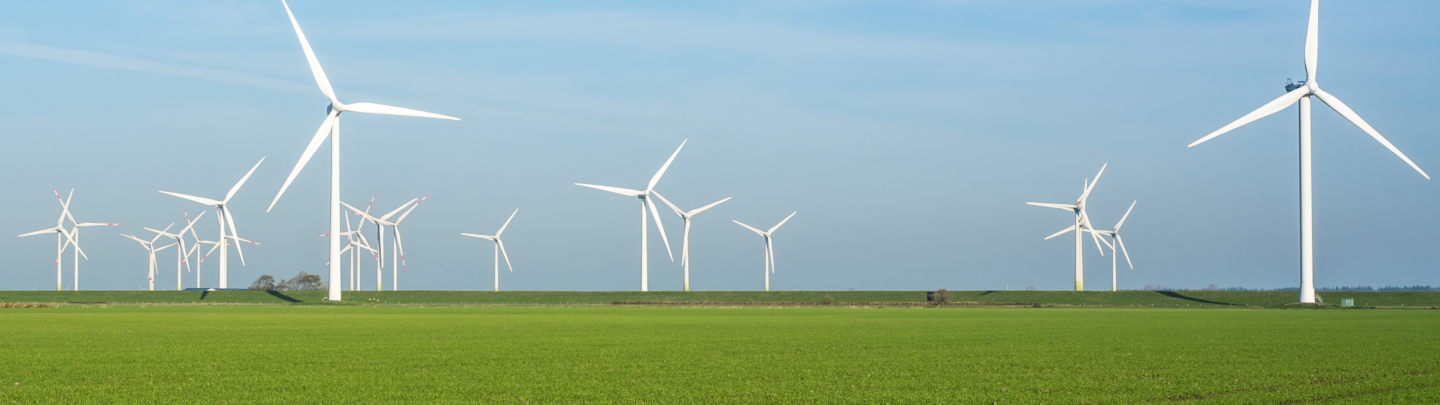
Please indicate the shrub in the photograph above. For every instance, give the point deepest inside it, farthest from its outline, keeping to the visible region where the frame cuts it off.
(943, 296)
(302, 282)
(264, 283)
(826, 300)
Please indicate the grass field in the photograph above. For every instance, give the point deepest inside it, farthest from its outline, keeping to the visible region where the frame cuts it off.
(1054, 298)
(345, 354)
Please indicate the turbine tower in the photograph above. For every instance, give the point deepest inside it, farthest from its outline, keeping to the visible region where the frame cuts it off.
(331, 128)
(685, 246)
(1115, 241)
(499, 247)
(224, 216)
(1082, 222)
(1301, 92)
(644, 228)
(62, 237)
(769, 246)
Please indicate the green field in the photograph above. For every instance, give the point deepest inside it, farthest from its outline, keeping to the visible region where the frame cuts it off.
(1174, 299)
(607, 354)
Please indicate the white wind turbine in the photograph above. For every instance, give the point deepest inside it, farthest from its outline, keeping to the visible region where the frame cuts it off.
(62, 237)
(150, 247)
(75, 238)
(1082, 222)
(398, 246)
(1302, 92)
(182, 255)
(644, 228)
(685, 246)
(499, 247)
(769, 246)
(225, 218)
(331, 128)
(1115, 241)
(356, 242)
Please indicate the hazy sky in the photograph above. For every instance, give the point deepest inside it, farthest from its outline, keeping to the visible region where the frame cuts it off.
(908, 135)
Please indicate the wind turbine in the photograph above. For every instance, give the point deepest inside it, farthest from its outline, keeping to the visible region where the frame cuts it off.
(224, 217)
(1114, 241)
(356, 242)
(380, 224)
(75, 237)
(1301, 92)
(644, 228)
(685, 247)
(769, 246)
(400, 246)
(499, 247)
(182, 255)
(150, 247)
(1082, 222)
(62, 237)
(331, 127)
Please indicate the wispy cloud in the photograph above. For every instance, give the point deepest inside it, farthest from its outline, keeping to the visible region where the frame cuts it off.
(97, 59)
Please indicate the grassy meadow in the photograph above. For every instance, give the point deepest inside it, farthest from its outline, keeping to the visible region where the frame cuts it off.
(610, 354)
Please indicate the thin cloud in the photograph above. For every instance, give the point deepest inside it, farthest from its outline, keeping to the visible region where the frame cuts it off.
(120, 62)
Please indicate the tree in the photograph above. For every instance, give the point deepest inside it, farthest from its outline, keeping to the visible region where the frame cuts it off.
(264, 283)
(302, 282)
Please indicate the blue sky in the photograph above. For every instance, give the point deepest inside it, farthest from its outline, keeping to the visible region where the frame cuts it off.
(908, 135)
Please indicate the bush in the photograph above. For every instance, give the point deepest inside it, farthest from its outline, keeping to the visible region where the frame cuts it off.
(264, 283)
(302, 282)
(826, 300)
(943, 296)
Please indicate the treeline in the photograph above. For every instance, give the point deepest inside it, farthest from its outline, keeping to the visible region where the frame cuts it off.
(301, 282)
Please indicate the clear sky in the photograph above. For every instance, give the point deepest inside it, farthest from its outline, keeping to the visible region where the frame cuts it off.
(908, 135)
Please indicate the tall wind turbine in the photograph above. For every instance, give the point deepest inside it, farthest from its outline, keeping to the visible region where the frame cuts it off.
(331, 128)
(769, 246)
(225, 218)
(150, 247)
(1082, 222)
(62, 237)
(1301, 92)
(182, 255)
(644, 228)
(1115, 241)
(499, 247)
(685, 247)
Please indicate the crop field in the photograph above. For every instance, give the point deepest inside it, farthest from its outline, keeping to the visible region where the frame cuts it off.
(356, 354)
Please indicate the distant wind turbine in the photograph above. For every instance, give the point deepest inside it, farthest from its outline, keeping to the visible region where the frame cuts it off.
(644, 228)
(62, 237)
(1082, 222)
(1116, 241)
(150, 248)
(769, 246)
(182, 255)
(225, 218)
(331, 128)
(499, 247)
(685, 246)
(1301, 92)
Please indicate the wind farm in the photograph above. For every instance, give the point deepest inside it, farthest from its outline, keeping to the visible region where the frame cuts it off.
(909, 133)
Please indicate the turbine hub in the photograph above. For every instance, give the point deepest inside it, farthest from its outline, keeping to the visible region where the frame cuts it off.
(1289, 87)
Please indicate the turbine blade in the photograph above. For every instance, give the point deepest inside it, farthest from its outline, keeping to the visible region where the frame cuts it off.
(315, 142)
(667, 202)
(397, 209)
(757, 231)
(43, 231)
(656, 214)
(1091, 186)
(782, 222)
(1067, 207)
(1312, 41)
(1096, 238)
(372, 108)
(412, 208)
(1127, 215)
(507, 223)
(201, 200)
(242, 180)
(315, 69)
(485, 237)
(712, 205)
(505, 255)
(1121, 241)
(225, 211)
(617, 190)
(1354, 118)
(1062, 232)
(656, 178)
(1272, 107)
(358, 212)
